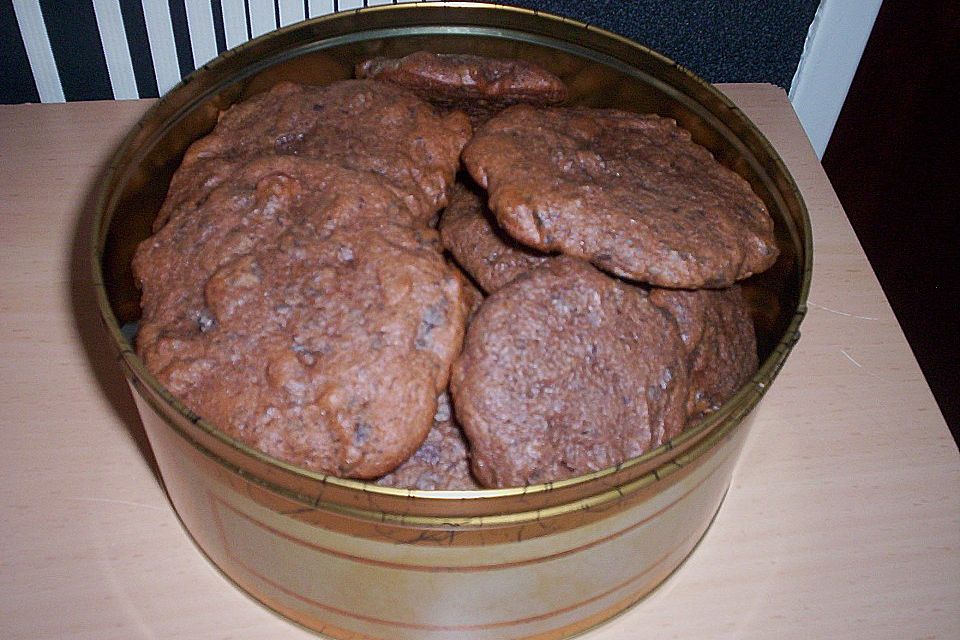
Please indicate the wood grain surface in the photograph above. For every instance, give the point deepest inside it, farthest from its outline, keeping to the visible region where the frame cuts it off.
(843, 520)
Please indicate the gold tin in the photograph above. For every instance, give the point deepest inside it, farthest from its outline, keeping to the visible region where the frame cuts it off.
(354, 560)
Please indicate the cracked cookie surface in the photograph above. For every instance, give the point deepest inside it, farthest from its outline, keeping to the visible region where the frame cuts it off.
(631, 193)
(565, 371)
(293, 311)
(477, 85)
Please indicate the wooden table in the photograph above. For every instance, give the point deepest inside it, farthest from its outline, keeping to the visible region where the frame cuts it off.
(843, 520)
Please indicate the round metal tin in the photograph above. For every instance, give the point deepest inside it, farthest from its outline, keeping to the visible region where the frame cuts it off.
(353, 560)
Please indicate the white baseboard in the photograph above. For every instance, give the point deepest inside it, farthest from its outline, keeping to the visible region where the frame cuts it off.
(835, 43)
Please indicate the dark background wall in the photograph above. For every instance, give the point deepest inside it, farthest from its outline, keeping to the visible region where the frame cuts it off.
(893, 161)
(722, 40)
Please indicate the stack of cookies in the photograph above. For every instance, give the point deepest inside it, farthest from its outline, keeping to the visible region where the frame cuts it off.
(577, 308)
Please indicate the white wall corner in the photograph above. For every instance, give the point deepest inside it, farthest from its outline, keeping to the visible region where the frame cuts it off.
(831, 54)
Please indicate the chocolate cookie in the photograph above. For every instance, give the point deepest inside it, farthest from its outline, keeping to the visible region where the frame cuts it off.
(631, 193)
(565, 371)
(719, 340)
(289, 309)
(476, 85)
(441, 463)
(469, 232)
(362, 125)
